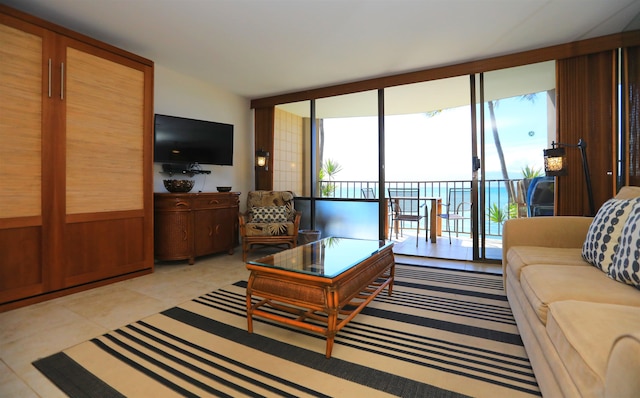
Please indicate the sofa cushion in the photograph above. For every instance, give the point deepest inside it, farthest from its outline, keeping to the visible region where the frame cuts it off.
(622, 369)
(546, 284)
(521, 256)
(626, 262)
(628, 192)
(604, 232)
(584, 334)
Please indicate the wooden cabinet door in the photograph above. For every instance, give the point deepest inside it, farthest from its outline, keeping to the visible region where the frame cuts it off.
(224, 229)
(76, 188)
(23, 146)
(173, 235)
(204, 232)
(107, 186)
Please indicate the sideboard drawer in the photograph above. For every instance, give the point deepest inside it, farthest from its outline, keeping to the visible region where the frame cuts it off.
(211, 202)
(170, 202)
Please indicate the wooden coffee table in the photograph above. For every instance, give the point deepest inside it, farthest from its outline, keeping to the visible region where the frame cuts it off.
(320, 286)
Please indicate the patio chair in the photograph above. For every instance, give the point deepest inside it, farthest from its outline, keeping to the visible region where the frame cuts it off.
(458, 208)
(540, 196)
(405, 206)
(368, 193)
(270, 220)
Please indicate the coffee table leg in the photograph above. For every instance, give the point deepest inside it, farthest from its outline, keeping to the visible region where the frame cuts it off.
(249, 309)
(332, 319)
(329, 346)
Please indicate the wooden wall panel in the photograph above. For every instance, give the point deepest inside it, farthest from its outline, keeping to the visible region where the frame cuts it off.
(104, 149)
(21, 272)
(20, 123)
(119, 249)
(264, 136)
(585, 103)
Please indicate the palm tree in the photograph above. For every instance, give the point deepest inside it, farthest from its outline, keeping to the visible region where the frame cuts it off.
(496, 139)
(328, 171)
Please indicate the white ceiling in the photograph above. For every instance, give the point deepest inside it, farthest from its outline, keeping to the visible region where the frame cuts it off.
(258, 48)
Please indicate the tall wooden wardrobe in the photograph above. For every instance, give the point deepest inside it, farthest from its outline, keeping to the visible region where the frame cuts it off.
(76, 191)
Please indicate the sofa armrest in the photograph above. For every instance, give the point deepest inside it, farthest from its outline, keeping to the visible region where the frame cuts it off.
(559, 231)
(622, 379)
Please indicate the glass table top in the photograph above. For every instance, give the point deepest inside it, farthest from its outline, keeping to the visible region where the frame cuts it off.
(328, 257)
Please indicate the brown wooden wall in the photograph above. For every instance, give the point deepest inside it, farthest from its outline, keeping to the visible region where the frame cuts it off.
(585, 88)
(264, 136)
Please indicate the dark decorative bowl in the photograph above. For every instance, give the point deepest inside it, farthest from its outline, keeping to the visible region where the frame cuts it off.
(223, 189)
(178, 185)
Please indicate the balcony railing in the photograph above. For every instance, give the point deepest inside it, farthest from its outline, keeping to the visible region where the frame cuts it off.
(497, 207)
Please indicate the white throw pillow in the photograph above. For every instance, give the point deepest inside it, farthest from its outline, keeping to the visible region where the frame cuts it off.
(626, 262)
(603, 236)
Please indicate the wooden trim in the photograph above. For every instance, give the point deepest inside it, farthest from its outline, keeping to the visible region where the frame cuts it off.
(20, 222)
(75, 289)
(111, 215)
(556, 52)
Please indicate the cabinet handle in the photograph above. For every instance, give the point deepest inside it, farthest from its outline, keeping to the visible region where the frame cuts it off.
(213, 202)
(49, 78)
(178, 204)
(210, 231)
(62, 80)
(184, 234)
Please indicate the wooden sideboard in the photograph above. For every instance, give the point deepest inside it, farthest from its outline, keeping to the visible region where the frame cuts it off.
(188, 225)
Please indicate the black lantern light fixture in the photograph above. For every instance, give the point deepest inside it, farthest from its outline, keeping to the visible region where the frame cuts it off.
(555, 164)
(262, 159)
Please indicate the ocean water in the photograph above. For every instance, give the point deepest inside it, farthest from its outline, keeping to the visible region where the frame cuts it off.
(495, 194)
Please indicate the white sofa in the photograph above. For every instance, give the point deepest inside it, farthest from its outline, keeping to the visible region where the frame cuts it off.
(580, 327)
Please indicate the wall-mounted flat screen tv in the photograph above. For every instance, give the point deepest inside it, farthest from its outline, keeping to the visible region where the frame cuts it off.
(186, 141)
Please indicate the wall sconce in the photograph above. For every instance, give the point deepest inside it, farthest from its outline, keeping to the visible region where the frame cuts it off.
(555, 164)
(262, 159)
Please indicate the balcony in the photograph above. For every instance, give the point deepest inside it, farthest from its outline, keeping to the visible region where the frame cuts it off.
(497, 209)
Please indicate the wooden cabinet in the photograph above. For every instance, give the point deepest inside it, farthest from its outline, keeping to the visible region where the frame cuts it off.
(76, 200)
(191, 225)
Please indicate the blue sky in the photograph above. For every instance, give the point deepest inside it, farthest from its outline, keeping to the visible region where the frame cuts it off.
(423, 148)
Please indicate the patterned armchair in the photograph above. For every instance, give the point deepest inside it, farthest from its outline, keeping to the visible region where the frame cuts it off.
(270, 220)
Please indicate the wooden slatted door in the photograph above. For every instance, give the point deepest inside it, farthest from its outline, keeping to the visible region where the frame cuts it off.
(21, 150)
(104, 166)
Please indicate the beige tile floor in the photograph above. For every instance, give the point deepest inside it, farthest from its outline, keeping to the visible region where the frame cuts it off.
(39, 330)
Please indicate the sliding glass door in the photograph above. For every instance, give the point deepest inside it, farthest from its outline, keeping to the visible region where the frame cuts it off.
(516, 122)
(428, 158)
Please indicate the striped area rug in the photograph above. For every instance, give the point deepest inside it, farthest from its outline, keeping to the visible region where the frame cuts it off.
(443, 333)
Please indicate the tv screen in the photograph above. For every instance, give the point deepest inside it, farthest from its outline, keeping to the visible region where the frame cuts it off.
(186, 141)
